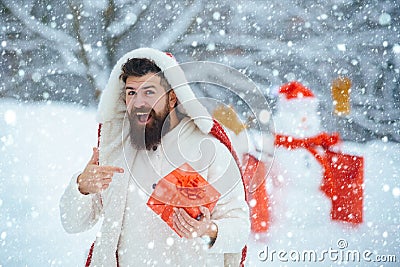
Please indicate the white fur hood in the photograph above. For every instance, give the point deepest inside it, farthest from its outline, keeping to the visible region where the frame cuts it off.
(111, 105)
(112, 109)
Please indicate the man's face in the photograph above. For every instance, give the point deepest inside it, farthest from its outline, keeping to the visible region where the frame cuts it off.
(147, 106)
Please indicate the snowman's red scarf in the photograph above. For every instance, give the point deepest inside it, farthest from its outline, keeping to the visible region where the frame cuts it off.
(322, 141)
(218, 132)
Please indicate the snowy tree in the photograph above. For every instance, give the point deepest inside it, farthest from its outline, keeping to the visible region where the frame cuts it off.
(63, 50)
(314, 42)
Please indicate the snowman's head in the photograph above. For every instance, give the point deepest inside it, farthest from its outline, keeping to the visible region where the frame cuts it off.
(297, 111)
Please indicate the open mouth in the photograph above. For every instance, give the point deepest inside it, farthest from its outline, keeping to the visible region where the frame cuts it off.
(143, 117)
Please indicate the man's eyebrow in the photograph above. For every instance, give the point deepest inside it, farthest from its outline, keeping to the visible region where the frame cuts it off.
(147, 87)
(142, 87)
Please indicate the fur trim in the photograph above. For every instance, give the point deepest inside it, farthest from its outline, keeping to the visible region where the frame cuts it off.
(112, 107)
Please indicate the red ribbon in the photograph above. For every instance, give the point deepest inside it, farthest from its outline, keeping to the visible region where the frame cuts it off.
(336, 181)
(323, 140)
(187, 185)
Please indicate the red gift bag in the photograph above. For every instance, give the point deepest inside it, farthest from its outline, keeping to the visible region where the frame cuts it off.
(343, 184)
(254, 176)
(182, 188)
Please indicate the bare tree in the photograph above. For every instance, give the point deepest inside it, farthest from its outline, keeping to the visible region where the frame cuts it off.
(64, 50)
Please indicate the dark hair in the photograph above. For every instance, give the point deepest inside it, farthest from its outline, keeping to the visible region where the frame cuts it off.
(138, 67)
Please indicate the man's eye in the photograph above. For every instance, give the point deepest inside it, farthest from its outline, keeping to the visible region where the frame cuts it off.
(131, 93)
(149, 93)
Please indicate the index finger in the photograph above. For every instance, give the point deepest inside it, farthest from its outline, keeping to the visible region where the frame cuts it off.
(110, 169)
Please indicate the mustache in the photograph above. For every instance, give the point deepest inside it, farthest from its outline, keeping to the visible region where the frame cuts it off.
(143, 110)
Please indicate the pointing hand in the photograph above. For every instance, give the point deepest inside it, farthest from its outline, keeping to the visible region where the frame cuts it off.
(96, 178)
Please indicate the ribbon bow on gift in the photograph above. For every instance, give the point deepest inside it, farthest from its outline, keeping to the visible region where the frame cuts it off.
(189, 186)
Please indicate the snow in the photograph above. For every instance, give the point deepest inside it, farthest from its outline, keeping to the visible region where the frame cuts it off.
(51, 141)
(42, 145)
(264, 116)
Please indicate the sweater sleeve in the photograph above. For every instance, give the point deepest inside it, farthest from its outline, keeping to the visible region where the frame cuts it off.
(231, 214)
(79, 212)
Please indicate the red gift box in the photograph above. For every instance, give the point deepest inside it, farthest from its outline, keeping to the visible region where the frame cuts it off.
(182, 188)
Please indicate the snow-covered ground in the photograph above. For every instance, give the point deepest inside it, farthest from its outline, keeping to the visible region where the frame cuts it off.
(42, 145)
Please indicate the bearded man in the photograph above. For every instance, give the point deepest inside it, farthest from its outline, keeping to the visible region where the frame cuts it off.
(151, 124)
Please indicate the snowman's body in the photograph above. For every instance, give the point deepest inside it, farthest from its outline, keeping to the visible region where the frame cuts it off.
(297, 179)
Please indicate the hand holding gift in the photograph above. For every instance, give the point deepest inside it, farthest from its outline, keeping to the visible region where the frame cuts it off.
(188, 227)
(184, 200)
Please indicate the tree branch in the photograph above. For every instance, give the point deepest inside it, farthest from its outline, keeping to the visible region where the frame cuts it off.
(62, 39)
(178, 27)
(116, 36)
(81, 52)
(64, 43)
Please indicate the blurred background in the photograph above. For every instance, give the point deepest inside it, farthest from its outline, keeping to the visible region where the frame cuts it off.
(64, 50)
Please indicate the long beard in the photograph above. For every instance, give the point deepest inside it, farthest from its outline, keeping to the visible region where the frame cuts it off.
(149, 135)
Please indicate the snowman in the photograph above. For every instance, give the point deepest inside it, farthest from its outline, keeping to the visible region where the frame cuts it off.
(300, 210)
